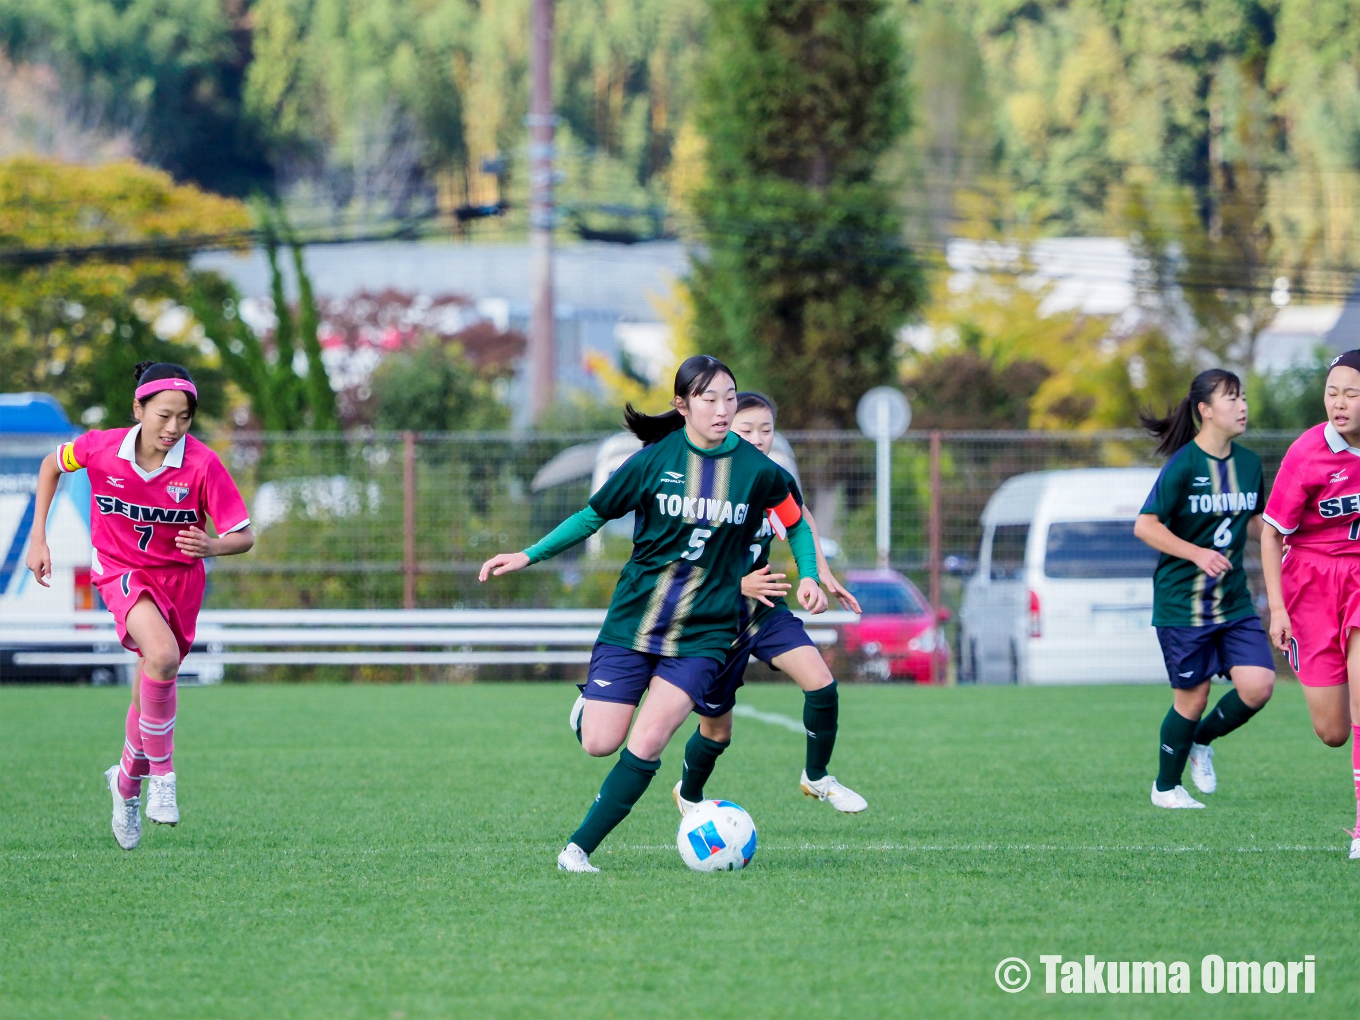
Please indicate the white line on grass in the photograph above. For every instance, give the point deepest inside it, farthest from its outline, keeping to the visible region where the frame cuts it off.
(1031, 847)
(465, 851)
(773, 718)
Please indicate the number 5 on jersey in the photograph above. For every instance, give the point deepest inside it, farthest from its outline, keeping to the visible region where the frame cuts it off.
(697, 538)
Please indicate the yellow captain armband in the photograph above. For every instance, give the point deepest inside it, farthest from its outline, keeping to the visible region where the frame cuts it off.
(66, 457)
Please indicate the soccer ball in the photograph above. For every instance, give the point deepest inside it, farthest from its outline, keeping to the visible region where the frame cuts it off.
(717, 835)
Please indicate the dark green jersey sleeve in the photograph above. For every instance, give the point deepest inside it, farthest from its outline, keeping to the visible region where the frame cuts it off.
(1167, 489)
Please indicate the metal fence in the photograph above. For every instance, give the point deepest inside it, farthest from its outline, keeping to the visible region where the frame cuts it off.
(403, 520)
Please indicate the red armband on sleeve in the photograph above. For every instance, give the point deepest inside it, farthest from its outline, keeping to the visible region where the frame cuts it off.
(784, 516)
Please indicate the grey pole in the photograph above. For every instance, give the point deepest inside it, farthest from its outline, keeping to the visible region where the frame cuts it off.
(541, 121)
(884, 479)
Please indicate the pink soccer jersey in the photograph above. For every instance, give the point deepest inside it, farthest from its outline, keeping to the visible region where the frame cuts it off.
(135, 515)
(1315, 500)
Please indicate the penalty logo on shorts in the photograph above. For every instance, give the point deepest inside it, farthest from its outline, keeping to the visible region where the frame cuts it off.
(706, 841)
(177, 491)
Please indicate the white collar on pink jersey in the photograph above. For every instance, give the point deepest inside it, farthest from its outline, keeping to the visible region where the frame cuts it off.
(128, 452)
(1335, 442)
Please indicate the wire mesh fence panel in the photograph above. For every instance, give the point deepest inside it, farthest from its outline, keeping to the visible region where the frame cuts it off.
(387, 520)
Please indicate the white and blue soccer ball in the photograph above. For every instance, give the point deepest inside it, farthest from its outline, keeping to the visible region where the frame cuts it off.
(717, 835)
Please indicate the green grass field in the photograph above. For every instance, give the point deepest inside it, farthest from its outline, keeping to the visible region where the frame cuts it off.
(389, 852)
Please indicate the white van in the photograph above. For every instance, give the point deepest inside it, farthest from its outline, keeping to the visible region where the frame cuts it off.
(1063, 589)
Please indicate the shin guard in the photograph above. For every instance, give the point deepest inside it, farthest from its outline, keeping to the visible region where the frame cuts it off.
(159, 703)
(134, 766)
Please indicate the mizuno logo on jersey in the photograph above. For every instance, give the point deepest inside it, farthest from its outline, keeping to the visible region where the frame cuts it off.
(1223, 503)
(1338, 476)
(673, 478)
(1340, 506)
(152, 514)
(117, 483)
(1200, 480)
(698, 508)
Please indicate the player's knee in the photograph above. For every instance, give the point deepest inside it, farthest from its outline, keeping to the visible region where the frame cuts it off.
(1332, 735)
(599, 745)
(161, 661)
(1258, 694)
(716, 729)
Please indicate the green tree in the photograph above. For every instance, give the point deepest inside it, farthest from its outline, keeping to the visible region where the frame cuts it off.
(434, 388)
(75, 328)
(287, 382)
(806, 280)
(168, 71)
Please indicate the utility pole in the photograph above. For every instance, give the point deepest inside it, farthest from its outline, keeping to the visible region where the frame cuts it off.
(541, 121)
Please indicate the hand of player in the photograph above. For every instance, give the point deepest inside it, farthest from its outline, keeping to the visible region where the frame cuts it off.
(194, 543)
(847, 600)
(1281, 630)
(39, 560)
(811, 597)
(503, 563)
(1212, 562)
(762, 585)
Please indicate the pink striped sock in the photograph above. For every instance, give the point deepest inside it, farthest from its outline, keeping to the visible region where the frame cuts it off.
(1355, 765)
(158, 724)
(134, 765)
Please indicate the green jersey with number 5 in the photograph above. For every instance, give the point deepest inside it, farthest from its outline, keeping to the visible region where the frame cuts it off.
(1207, 502)
(697, 515)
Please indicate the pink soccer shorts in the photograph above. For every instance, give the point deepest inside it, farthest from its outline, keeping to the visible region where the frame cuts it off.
(177, 592)
(1322, 596)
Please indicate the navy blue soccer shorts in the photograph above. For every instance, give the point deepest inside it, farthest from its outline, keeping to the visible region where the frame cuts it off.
(1196, 654)
(621, 675)
(778, 633)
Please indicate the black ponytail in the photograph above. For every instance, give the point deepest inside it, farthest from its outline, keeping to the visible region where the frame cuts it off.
(748, 399)
(150, 371)
(1182, 423)
(691, 379)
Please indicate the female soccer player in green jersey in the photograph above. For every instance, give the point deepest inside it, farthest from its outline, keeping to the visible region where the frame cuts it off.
(772, 634)
(700, 495)
(1207, 497)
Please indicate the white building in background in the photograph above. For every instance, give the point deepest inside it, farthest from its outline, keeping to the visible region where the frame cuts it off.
(610, 298)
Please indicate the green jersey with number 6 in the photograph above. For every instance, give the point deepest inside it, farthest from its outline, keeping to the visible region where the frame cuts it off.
(1207, 502)
(697, 515)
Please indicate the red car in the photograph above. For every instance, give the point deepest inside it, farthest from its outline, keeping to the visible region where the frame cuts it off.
(899, 631)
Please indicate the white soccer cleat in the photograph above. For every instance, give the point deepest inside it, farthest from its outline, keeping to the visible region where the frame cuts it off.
(573, 858)
(842, 798)
(1177, 798)
(127, 823)
(1202, 768)
(1355, 842)
(160, 800)
(574, 718)
(685, 806)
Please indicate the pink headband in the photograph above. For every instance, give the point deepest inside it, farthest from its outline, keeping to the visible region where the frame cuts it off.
(146, 389)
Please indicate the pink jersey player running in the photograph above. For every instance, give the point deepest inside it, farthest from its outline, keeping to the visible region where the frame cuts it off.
(1310, 555)
(153, 487)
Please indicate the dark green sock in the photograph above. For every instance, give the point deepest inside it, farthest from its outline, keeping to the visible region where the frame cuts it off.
(701, 754)
(1177, 734)
(1230, 713)
(820, 710)
(626, 782)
